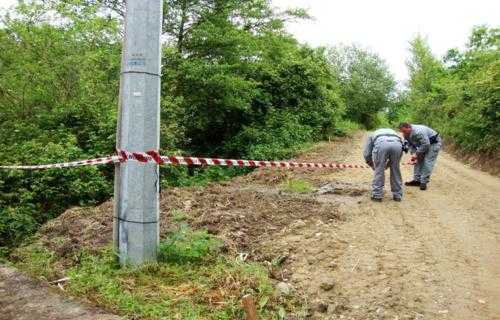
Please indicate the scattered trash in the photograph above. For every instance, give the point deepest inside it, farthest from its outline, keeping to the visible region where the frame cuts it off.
(60, 281)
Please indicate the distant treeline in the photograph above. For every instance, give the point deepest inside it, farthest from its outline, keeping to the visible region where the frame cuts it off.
(458, 95)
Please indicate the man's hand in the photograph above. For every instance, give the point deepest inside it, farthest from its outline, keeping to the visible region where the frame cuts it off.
(370, 163)
(419, 157)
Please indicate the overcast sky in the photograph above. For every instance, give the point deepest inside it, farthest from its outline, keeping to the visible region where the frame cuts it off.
(386, 26)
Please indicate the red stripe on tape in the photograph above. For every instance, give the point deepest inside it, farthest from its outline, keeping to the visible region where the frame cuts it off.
(173, 160)
(140, 157)
(189, 161)
(156, 157)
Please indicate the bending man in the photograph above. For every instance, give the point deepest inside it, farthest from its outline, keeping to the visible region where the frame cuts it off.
(425, 143)
(384, 149)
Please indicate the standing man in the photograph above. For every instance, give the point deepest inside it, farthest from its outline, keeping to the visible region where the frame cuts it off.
(425, 143)
(384, 149)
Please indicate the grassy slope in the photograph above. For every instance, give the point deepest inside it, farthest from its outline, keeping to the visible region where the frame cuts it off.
(194, 279)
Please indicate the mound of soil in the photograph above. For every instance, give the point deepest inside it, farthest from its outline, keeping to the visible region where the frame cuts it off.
(242, 216)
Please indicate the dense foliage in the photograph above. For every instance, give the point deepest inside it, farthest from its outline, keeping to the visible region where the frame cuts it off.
(57, 103)
(234, 84)
(460, 95)
(368, 87)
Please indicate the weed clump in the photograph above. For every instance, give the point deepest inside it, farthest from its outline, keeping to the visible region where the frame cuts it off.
(186, 245)
(298, 186)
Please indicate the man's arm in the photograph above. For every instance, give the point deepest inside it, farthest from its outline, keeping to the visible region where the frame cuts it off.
(411, 146)
(367, 151)
(423, 143)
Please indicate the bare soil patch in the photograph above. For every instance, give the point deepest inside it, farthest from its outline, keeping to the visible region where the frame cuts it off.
(24, 299)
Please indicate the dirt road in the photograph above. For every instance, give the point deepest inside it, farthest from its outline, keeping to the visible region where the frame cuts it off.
(24, 299)
(436, 255)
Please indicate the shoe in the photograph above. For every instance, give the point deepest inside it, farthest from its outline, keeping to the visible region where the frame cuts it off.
(376, 199)
(413, 183)
(396, 199)
(423, 186)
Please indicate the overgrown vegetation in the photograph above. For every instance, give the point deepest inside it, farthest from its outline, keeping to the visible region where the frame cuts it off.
(234, 82)
(459, 96)
(192, 280)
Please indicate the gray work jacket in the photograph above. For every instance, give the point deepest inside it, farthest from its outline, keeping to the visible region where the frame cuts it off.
(372, 141)
(419, 139)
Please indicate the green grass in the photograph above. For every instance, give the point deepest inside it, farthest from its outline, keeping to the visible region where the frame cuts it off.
(37, 261)
(193, 279)
(297, 186)
(179, 216)
(345, 128)
(186, 246)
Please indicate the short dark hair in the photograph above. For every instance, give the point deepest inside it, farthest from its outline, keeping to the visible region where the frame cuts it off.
(404, 125)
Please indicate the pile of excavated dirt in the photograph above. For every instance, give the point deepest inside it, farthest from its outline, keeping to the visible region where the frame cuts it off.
(240, 216)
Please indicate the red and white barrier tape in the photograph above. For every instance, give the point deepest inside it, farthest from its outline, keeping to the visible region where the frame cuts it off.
(155, 157)
(91, 162)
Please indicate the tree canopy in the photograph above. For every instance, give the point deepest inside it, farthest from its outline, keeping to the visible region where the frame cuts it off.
(459, 95)
(368, 88)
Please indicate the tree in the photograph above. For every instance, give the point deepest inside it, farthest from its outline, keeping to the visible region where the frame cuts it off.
(367, 85)
(58, 89)
(459, 97)
(235, 67)
(425, 91)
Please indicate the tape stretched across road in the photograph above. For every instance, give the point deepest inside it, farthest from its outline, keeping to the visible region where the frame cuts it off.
(81, 163)
(155, 157)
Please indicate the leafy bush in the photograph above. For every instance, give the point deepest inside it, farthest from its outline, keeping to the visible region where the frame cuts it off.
(197, 176)
(279, 138)
(58, 89)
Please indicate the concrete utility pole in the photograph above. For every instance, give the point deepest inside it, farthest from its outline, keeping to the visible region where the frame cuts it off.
(136, 232)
